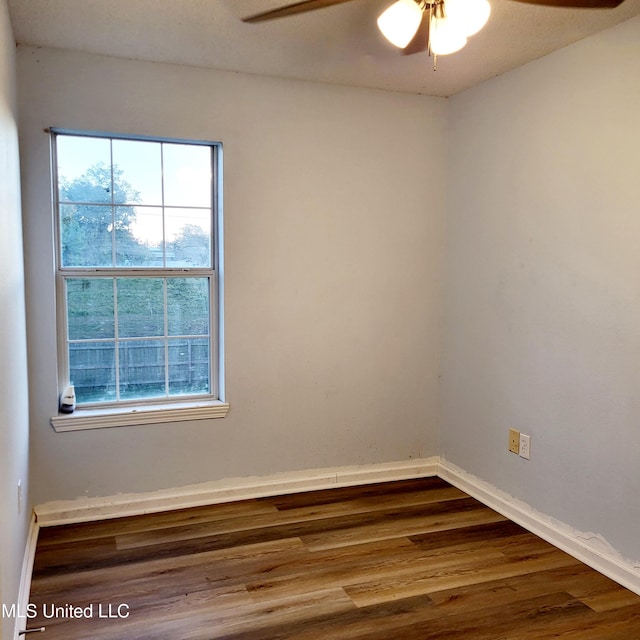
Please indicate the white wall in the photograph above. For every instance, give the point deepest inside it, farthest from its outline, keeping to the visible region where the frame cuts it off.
(334, 202)
(542, 286)
(14, 426)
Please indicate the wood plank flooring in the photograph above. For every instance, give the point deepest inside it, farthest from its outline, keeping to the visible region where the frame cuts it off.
(405, 560)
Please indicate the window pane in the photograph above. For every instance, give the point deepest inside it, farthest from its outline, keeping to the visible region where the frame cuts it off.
(84, 169)
(142, 370)
(187, 175)
(92, 371)
(137, 172)
(188, 306)
(90, 308)
(188, 366)
(86, 235)
(188, 233)
(140, 307)
(139, 242)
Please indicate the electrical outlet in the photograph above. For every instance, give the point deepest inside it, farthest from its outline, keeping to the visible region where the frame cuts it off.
(525, 446)
(514, 441)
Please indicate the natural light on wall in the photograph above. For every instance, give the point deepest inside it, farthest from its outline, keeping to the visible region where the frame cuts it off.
(451, 22)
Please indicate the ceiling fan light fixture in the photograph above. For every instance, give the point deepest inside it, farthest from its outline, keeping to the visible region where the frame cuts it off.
(469, 16)
(399, 22)
(445, 37)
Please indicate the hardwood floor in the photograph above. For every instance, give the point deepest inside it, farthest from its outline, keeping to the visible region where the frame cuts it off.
(404, 560)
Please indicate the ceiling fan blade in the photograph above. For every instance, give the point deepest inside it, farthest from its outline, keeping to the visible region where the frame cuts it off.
(292, 9)
(576, 4)
(419, 42)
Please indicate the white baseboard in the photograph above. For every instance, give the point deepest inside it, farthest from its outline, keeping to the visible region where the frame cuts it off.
(587, 547)
(25, 576)
(227, 490)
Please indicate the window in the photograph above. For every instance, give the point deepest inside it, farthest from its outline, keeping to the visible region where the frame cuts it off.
(138, 227)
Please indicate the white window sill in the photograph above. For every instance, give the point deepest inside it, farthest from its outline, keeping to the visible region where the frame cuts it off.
(143, 414)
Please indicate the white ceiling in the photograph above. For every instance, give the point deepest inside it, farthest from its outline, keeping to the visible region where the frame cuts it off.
(339, 44)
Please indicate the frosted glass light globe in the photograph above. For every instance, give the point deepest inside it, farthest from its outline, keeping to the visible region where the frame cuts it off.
(399, 22)
(445, 37)
(469, 16)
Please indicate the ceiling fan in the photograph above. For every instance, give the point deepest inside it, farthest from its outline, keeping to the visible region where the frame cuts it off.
(424, 25)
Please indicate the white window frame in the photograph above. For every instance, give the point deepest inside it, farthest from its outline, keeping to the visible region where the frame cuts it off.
(145, 411)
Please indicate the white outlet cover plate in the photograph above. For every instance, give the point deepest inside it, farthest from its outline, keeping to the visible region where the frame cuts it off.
(525, 446)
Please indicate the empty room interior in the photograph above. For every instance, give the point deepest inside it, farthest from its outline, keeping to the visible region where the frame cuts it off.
(411, 271)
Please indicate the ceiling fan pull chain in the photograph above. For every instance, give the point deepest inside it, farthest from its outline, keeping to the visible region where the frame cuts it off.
(429, 42)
